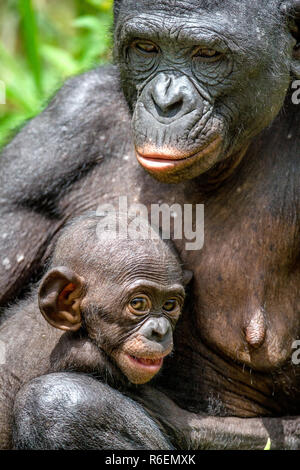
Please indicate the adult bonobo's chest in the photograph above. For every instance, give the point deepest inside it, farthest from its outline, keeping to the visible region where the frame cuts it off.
(198, 97)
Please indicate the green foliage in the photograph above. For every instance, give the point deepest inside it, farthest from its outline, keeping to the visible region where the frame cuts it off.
(43, 42)
(268, 445)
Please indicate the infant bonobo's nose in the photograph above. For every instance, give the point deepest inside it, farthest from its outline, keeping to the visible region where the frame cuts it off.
(158, 330)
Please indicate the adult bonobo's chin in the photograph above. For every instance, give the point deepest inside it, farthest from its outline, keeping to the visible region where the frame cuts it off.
(201, 79)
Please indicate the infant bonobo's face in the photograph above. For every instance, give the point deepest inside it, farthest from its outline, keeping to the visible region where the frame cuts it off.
(145, 324)
(132, 314)
(125, 296)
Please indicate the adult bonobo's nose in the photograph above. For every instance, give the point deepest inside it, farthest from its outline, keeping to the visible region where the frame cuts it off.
(158, 330)
(170, 97)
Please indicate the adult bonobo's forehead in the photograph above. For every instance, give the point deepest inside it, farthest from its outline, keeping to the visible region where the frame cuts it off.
(201, 78)
(178, 19)
(198, 8)
(188, 6)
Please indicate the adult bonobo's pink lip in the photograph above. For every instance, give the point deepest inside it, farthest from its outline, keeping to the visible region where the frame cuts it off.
(166, 159)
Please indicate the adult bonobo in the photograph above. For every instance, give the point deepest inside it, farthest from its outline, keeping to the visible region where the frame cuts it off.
(205, 82)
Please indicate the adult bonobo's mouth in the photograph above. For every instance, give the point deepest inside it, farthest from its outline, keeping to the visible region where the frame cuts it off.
(165, 159)
(171, 166)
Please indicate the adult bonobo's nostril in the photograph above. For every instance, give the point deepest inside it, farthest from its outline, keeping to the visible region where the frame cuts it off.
(157, 329)
(168, 110)
(170, 96)
(166, 97)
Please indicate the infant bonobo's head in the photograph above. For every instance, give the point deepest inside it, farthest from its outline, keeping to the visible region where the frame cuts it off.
(125, 295)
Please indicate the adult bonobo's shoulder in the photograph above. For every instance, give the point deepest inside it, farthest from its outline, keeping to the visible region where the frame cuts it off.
(92, 88)
(67, 138)
(43, 162)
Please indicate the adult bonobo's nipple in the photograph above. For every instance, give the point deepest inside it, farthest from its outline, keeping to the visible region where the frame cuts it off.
(255, 331)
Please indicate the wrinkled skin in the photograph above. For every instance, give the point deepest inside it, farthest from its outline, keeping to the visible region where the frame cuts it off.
(214, 128)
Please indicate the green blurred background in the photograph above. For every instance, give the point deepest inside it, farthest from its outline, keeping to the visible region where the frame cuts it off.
(42, 42)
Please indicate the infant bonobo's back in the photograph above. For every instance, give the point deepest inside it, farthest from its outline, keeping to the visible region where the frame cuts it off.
(113, 302)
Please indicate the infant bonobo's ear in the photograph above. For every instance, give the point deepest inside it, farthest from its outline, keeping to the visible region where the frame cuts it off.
(187, 276)
(60, 295)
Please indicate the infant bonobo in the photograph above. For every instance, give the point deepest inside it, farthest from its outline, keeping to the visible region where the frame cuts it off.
(114, 303)
(122, 296)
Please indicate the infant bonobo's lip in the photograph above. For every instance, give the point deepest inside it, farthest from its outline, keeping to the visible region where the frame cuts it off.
(145, 363)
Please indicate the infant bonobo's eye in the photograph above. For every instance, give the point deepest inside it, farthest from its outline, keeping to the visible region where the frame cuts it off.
(139, 305)
(171, 305)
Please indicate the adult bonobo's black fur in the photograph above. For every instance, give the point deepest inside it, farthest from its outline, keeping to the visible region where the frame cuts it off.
(117, 300)
(205, 82)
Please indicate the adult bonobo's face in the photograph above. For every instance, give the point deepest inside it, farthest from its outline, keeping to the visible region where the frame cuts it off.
(202, 78)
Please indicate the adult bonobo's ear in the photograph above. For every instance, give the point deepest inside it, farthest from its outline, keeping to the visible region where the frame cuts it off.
(291, 9)
(60, 295)
(187, 276)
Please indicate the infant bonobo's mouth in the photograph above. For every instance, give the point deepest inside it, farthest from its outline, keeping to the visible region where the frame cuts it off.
(146, 363)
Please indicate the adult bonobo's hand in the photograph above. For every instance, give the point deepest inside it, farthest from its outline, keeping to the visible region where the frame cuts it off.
(199, 431)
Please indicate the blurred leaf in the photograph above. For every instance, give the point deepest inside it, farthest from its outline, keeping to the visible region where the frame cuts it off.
(97, 39)
(31, 40)
(268, 445)
(43, 43)
(89, 22)
(104, 5)
(61, 59)
(20, 86)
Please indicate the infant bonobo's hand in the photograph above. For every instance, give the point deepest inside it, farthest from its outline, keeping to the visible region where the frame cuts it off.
(118, 299)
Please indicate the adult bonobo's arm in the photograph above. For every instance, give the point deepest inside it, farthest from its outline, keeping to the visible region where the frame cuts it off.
(196, 431)
(36, 169)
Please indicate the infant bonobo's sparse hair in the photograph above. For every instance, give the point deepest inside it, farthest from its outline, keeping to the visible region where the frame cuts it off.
(102, 242)
(118, 297)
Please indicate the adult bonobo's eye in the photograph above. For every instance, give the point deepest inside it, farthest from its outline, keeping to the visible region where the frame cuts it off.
(206, 53)
(139, 305)
(171, 305)
(145, 47)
